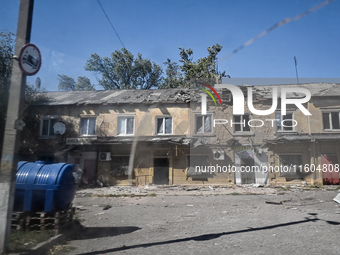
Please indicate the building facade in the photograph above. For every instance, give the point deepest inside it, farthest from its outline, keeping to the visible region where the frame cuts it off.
(140, 137)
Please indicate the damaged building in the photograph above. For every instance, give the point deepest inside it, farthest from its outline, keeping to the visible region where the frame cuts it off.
(140, 137)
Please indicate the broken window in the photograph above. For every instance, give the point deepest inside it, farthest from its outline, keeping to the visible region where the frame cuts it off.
(120, 165)
(46, 125)
(125, 125)
(331, 120)
(164, 125)
(240, 123)
(88, 126)
(198, 165)
(284, 122)
(290, 165)
(203, 123)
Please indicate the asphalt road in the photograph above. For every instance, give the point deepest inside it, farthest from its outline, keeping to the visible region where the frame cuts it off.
(288, 222)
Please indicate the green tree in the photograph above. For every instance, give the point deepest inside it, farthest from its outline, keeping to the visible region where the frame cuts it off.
(174, 77)
(32, 94)
(202, 68)
(6, 53)
(123, 71)
(84, 84)
(67, 83)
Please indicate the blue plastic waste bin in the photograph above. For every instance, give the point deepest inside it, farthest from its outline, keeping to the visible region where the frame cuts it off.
(44, 186)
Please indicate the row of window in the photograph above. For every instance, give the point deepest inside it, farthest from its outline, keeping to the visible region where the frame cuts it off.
(126, 126)
(203, 124)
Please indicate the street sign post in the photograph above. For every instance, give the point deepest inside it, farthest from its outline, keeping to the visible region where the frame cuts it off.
(30, 59)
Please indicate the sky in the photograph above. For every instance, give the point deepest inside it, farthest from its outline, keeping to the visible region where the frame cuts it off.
(67, 32)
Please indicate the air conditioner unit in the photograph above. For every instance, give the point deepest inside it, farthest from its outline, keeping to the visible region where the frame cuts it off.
(218, 154)
(104, 156)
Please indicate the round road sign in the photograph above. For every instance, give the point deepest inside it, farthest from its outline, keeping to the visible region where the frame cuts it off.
(30, 59)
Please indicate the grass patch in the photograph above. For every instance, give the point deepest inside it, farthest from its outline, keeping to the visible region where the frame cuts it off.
(331, 189)
(61, 249)
(283, 189)
(235, 194)
(21, 241)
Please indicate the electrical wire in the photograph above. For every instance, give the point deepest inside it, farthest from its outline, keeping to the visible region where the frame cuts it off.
(110, 23)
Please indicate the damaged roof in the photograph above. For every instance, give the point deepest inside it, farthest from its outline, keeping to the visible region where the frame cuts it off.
(177, 95)
(304, 137)
(181, 95)
(316, 89)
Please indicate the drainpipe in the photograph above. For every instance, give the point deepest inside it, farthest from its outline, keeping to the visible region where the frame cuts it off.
(312, 161)
(308, 119)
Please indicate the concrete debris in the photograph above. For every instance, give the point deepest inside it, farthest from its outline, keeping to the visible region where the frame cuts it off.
(179, 190)
(100, 183)
(257, 185)
(337, 198)
(274, 203)
(190, 189)
(106, 207)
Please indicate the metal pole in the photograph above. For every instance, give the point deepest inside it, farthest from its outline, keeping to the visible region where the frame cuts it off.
(297, 76)
(11, 143)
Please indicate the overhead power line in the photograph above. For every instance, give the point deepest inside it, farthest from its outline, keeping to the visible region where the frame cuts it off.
(279, 24)
(110, 23)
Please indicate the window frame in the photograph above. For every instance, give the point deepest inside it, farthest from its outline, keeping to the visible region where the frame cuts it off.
(87, 126)
(298, 169)
(211, 123)
(49, 118)
(330, 120)
(190, 169)
(118, 125)
(124, 170)
(241, 120)
(164, 127)
(281, 119)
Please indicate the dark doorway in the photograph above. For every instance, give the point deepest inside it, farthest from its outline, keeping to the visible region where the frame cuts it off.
(247, 176)
(330, 170)
(161, 171)
(89, 172)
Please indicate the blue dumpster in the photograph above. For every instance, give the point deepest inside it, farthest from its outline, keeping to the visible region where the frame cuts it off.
(44, 186)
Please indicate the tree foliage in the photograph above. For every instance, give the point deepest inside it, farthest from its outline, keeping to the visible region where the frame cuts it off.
(84, 84)
(123, 71)
(179, 76)
(33, 95)
(67, 83)
(174, 77)
(6, 53)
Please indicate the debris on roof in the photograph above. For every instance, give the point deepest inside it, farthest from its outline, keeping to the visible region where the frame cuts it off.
(181, 140)
(179, 95)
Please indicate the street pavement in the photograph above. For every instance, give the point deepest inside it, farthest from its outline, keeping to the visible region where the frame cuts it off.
(203, 220)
